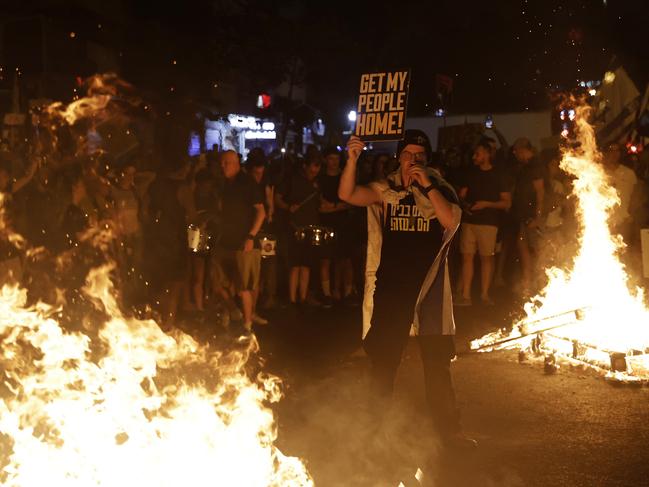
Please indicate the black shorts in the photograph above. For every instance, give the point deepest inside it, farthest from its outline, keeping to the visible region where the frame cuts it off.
(167, 260)
(343, 245)
(301, 254)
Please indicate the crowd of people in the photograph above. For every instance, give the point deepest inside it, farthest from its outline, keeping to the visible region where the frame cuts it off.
(224, 238)
(188, 234)
(520, 214)
(270, 230)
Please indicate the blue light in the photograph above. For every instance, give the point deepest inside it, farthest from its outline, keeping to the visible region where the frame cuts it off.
(194, 146)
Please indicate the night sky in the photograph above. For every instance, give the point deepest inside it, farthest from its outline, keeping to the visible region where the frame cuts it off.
(502, 56)
(507, 55)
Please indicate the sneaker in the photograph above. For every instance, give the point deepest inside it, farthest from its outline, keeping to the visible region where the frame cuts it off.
(327, 302)
(258, 320)
(462, 301)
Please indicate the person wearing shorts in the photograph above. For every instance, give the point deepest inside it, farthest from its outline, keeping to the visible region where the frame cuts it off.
(487, 196)
(237, 261)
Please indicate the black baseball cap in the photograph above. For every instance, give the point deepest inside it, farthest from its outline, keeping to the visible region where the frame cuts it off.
(415, 137)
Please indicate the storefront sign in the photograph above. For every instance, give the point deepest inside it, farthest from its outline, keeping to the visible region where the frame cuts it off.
(261, 134)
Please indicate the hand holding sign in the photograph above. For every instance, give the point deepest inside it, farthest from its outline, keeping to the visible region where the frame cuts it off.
(355, 148)
(381, 109)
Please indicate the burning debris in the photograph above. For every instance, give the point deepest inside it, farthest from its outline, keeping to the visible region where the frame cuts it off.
(106, 93)
(113, 400)
(587, 314)
(131, 406)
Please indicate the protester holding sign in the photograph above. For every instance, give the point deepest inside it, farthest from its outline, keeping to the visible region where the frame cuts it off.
(412, 218)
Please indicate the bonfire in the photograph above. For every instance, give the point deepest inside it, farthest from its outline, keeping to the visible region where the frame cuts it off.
(588, 312)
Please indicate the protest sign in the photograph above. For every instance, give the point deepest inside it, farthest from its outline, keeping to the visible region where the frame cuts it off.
(381, 108)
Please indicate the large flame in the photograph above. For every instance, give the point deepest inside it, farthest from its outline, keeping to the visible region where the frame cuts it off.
(118, 402)
(129, 409)
(612, 318)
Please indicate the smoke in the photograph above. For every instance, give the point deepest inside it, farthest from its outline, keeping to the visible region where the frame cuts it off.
(327, 418)
(334, 424)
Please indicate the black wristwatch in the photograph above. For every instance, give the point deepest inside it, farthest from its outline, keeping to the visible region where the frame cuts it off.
(428, 189)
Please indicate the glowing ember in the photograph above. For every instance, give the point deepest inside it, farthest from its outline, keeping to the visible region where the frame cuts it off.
(614, 318)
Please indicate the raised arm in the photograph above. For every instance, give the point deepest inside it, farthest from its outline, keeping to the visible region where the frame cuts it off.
(447, 216)
(348, 191)
(443, 209)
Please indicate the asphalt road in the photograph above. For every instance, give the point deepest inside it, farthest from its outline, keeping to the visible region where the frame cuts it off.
(572, 428)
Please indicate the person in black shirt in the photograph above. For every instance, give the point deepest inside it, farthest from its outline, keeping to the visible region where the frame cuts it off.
(242, 215)
(300, 196)
(334, 214)
(527, 207)
(168, 254)
(10, 263)
(256, 167)
(412, 218)
(486, 196)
